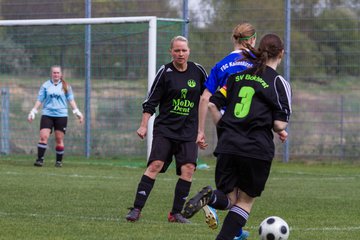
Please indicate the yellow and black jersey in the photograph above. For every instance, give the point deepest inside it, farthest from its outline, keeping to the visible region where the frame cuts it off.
(177, 94)
(252, 104)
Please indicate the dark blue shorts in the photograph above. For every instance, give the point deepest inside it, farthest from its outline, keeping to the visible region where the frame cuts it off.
(248, 174)
(164, 149)
(54, 123)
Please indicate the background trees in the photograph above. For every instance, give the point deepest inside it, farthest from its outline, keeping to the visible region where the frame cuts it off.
(325, 34)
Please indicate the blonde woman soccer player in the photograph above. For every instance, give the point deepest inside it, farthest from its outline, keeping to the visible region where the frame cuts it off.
(176, 90)
(53, 96)
(243, 38)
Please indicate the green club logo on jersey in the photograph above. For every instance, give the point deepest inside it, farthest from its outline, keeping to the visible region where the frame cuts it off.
(183, 93)
(191, 83)
(182, 106)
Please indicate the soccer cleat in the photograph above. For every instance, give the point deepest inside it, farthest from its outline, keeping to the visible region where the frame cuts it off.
(38, 163)
(211, 217)
(177, 217)
(244, 235)
(58, 164)
(194, 205)
(133, 215)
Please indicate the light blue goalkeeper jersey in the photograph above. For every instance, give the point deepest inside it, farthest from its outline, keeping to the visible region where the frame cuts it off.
(232, 63)
(54, 99)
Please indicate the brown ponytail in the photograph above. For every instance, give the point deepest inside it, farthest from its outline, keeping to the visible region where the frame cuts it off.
(269, 48)
(65, 86)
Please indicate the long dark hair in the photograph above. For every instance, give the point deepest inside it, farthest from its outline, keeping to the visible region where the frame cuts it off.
(269, 48)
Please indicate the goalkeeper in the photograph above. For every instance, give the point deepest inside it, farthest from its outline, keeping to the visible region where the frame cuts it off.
(53, 96)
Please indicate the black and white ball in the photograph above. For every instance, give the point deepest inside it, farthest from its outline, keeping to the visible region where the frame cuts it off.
(274, 228)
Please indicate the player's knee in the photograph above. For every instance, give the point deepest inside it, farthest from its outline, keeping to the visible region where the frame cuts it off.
(187, 170)
(190, 167)
(155, 166)
(232, 198)
(44, 139)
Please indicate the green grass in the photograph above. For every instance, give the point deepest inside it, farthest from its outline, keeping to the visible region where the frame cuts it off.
(88, 199)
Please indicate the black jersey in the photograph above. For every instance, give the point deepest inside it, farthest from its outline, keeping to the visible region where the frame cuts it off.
(177, 94)
(252, 103)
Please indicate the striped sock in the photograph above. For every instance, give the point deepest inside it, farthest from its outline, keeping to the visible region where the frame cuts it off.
(41, 147)
(219, 200)
(234, 220)
(59, 153)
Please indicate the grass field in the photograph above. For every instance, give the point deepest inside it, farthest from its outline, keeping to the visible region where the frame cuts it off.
(88, 199)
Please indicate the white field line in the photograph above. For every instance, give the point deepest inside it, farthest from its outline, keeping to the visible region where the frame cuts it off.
(92, 176)
(307, 178)
(317, 175)
(319, 229)
(115, 219)
(85, 218)
(167, 179)
(63, 175)
(36, 215)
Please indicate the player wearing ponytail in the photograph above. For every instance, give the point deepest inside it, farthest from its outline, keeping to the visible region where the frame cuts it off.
(258, 104)
(243, 38)
(64, 85)
(54, 94)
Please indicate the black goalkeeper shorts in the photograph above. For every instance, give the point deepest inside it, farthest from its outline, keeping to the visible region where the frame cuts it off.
(56, 123)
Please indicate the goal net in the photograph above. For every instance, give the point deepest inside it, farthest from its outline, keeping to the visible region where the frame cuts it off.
(124, 54)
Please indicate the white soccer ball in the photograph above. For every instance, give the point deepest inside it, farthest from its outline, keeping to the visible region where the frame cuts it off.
(274, 228)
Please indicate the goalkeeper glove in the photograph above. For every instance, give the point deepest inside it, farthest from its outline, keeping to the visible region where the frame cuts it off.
(32, 113)
(77, 113)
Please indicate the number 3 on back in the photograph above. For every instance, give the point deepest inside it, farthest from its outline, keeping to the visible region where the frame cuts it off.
(242, 109)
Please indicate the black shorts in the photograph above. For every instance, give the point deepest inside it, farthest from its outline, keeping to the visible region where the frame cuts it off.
(56, 123)
(247, 174)
(164, 149)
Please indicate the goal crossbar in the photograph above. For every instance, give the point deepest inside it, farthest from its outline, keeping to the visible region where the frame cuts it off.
(83, 21)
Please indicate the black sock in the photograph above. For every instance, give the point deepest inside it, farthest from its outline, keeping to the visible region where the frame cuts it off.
(234, 220)
(219, 200)
(143, 191)
(59, 153)
(41, 150)
(182, 190)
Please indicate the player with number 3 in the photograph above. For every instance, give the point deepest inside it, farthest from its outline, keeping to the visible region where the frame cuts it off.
(258, 103)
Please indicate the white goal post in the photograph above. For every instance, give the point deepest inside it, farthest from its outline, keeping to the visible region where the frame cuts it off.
(152, 21)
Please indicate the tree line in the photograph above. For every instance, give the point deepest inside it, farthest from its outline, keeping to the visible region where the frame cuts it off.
(324, 34)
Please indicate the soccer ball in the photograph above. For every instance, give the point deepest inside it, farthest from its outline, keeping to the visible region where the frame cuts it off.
(274, 228)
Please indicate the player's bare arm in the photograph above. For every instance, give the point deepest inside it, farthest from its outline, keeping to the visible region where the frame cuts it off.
(279, 125)
(279, 128)
(34, 111)
(142, 130)
(203, 108)
(215, 113)
(76, 111)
